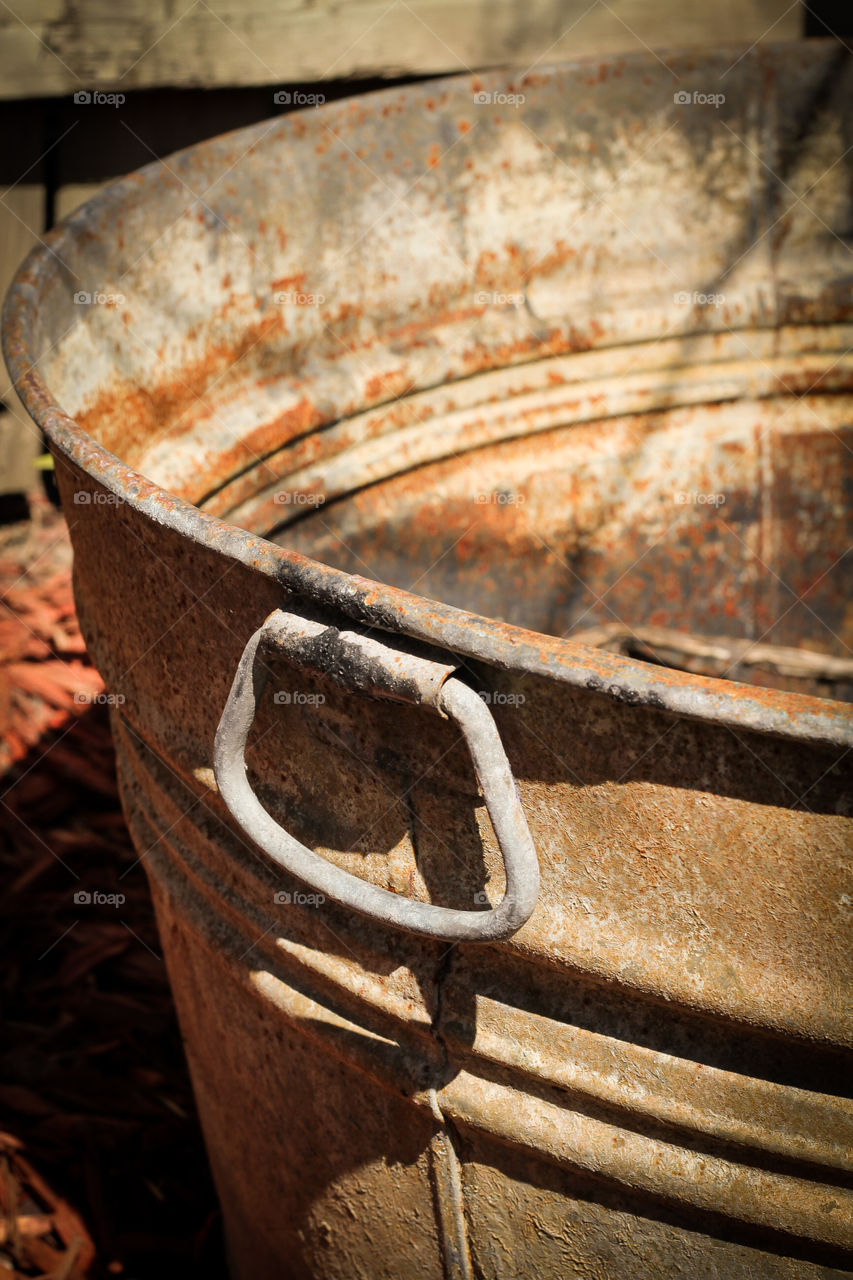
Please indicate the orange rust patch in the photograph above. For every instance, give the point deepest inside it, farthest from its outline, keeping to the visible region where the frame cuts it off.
(408, 332)
(483, 273)
(295, 283)
(134, 415)
(287, 426)
(395, 383)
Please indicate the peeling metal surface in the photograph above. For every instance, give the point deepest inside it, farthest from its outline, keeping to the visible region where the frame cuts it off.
(651, 1077)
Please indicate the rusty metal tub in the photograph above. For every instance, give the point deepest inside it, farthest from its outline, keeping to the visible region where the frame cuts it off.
(502, 954)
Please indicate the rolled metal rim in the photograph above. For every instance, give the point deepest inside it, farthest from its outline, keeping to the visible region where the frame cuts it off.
(371, 603)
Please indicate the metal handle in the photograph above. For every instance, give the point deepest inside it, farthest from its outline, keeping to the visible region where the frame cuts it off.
(367, 665)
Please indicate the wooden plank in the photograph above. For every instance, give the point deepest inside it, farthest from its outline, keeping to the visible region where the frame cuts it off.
(52, 48)
(22, 210)
(22, 217)
(72, 196)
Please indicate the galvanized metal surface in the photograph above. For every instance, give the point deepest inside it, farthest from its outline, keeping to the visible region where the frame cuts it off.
(650, 1078)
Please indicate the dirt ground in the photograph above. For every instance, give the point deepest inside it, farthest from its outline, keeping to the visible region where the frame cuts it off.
(102, 1167)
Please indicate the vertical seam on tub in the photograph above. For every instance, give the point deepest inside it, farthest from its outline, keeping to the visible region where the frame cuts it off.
(449, 1200)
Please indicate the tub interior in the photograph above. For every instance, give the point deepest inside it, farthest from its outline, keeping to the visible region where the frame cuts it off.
(555, 373)
(631, 498)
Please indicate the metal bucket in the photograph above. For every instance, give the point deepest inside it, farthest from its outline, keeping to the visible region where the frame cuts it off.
(570, 352)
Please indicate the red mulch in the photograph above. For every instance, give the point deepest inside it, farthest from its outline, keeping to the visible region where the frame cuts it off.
(102, 1167)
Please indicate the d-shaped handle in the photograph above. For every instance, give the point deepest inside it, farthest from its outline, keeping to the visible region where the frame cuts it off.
(369, 666)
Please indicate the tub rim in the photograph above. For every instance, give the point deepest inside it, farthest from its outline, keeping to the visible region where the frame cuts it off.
(793, 716)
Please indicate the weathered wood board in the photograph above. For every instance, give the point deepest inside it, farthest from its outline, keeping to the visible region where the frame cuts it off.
(53, 47)
(21, 223)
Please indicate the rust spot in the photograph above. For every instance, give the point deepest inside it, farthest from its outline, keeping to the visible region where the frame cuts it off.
(288, 284)
(394, 383)
(128, 416)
